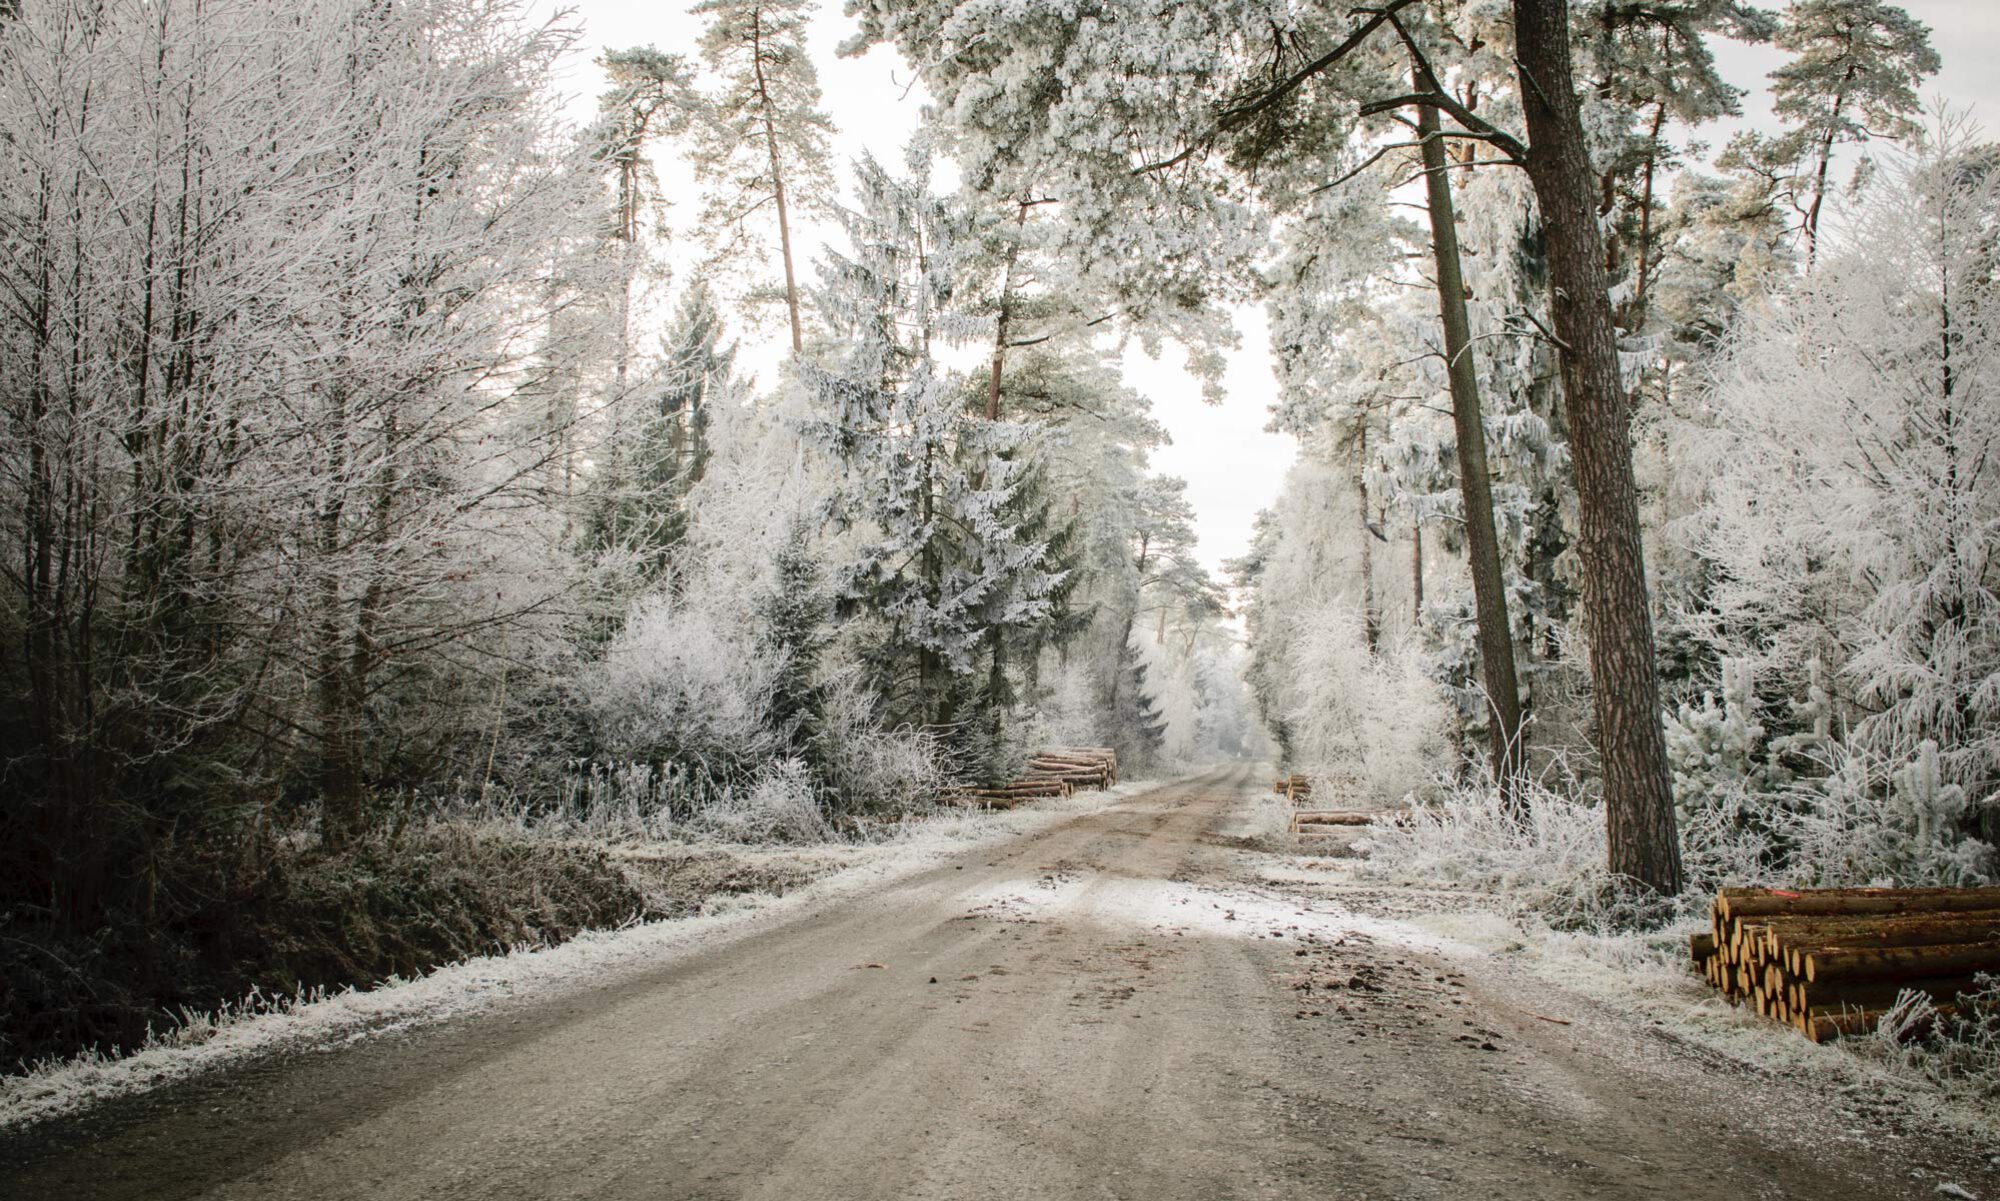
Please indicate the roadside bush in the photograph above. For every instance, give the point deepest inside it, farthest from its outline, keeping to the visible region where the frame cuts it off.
(686, 686)
(867, 770)
(1550, 864)
(1959, 1050)
(782, 806)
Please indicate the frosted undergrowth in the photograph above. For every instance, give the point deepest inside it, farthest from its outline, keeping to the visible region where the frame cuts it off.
(262, 1025)
(1549, 865)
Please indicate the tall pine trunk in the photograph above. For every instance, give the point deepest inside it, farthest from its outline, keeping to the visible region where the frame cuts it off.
(1482, 544)
(777, 184)
(1638, 797)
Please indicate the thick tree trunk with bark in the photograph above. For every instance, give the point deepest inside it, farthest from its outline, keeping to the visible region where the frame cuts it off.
(1638, 797)
(1489, 589)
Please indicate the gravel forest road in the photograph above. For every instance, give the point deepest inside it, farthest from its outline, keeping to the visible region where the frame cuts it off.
(1106, 1009)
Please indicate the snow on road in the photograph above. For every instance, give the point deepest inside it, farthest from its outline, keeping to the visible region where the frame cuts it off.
(1106, 1001)
(268, 1025)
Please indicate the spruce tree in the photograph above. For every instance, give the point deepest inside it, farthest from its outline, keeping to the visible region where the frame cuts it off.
(641, 507)
(794, 624)
(938, 491)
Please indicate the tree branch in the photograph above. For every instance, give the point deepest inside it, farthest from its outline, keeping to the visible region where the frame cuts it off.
(1233, 117)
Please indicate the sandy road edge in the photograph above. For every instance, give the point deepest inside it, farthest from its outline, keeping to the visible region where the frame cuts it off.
(268, 1026)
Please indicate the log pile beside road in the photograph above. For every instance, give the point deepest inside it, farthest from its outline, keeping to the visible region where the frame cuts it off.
(1832, 961)
(1061, 771)
(1295, 788)
(1325, 823)
(1082, 766)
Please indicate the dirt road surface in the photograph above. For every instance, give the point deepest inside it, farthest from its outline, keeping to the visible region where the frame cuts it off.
(1102, 1010)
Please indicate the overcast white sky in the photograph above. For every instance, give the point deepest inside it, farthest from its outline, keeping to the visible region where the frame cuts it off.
(1233, 467)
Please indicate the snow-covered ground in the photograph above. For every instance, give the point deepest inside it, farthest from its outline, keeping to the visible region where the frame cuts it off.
(1635, 977)
(262, 1025)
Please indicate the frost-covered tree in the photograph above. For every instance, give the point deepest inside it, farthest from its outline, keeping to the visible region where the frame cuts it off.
(1853, 77)
(935, 490)
(766, 140)
(1849, 515)
(613, 269)
(268, 359)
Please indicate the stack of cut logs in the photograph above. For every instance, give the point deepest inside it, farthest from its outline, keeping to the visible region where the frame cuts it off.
(1325, 823)
(1831, 961)
(1316, 823)
(1056, 772)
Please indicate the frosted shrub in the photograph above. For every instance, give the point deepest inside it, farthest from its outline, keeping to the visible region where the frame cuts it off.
(684, 685)
(1888, 819)
(782, 806)
(1959, 1049)
(1721, 747)
(869, 769)
(1734, 816)
(1373, 723)
(1550, 864)
(1731, 835)
(1464, 839)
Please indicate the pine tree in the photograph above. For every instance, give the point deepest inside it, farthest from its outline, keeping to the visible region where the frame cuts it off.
(1853, 76)
(650, 96)
(767, 140)
(1650, 71)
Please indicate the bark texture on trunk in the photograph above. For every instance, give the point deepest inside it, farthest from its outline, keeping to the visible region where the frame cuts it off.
(1638, 797)
(1482, 544)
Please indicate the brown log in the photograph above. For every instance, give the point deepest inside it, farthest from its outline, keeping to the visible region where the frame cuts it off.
(1877, 994)
(1901, 963)
(1792, 939)
(1823, 1027)
(1737, 903)
(1701, 946)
